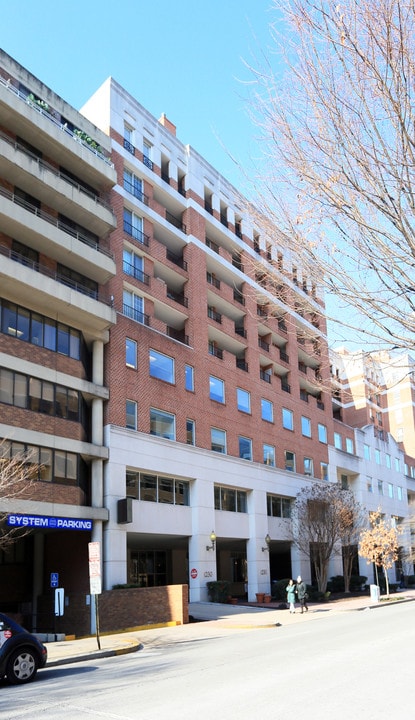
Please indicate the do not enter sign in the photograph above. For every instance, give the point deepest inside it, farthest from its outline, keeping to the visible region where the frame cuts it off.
(193, 573)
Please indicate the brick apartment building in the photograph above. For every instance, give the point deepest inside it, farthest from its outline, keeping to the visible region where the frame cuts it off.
(179, 358)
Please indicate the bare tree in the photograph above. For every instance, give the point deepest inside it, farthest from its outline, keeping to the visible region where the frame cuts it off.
(379, 544)
(324, 516)
(335, 101)
(18, 472)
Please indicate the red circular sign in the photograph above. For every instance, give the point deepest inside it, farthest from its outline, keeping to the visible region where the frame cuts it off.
(193, 573)
(7, 634)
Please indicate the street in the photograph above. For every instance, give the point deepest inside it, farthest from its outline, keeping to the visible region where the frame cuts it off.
(354, 664)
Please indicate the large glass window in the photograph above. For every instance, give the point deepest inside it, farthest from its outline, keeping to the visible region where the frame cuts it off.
(324, 471)
(216, 389)
(131, 353)
(287, 419)
(322, 433)
(306, 426)
(377, 456)
(350, 446)
(243, 400)
(133, 184)
(338, 441)
(157, 488)
(245, 448)
(133, 264)
(268, 455)
(366, 452)
(189, 378)
(308, 466)
(289, 460)
(218, 440)
(162, 424)
(230, 499)
(161, 366)
(133, 306)
(131, 414)
(267, 410)
(190, 432)
(133, 225)
(278, 506)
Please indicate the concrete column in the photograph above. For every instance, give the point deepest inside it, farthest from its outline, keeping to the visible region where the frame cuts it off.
(97, 420)
(38, 556)
(259, 579)
(98, 362)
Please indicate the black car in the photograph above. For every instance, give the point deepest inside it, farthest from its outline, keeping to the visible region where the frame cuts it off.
(21, 654)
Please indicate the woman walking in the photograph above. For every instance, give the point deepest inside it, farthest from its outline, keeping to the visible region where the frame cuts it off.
(290, 590)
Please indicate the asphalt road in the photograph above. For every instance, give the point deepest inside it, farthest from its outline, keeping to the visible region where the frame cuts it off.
(356, 665)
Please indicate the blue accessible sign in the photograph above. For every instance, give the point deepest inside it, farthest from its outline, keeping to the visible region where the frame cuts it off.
(54, 580)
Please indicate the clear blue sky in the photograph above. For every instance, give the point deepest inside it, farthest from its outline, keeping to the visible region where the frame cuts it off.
(184, 58)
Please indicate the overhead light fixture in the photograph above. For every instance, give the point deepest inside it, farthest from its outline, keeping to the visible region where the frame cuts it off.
(212, 540)
(268, 541)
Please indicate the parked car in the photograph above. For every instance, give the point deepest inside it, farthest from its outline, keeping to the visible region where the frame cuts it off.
(21, 653)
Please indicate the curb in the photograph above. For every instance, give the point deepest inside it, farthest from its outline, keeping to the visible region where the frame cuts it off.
(96, 655)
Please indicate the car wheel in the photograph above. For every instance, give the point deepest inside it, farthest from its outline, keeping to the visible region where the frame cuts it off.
(21, 667)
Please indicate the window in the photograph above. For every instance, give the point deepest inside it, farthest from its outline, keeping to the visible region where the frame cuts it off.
(267, 410)
(162, 424)
(131, 353)
(133, 306)
(350, 446)
(230, 499)
(390, 490)
(190, 432)
(245, 448)
(128, 138)
(308, 466)
(377, 456)
(131, 414)
(216, 389)
(287, 419)
(397, 465)
(147, 154)
(161, 366)
(156, 488)
(338, 441)
(322, 433)
(132, 264)
(243, 398)
(388, 461)
(380, 487)
(268, 455)
(366, 452)
(278, 506)
(369, 485)
(133, 225)
(305, 426)
(289, 460)
(218, 440)
(324, 471)
(399, 493)
(133, 184)
(189, 381)
(344, 482)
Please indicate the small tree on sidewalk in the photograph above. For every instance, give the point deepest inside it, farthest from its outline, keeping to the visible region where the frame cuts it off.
(18, 472)
(379, 544)
(325, 517)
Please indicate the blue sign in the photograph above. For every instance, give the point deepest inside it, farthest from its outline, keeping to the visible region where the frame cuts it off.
(54, 580)
(47, 522)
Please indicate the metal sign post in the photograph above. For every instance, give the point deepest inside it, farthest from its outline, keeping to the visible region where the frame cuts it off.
(94, 555)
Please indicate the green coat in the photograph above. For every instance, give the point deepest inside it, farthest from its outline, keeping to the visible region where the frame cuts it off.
(290, 590)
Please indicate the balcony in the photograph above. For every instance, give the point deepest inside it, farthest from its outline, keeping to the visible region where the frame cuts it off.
(136, 273)
(135, 315)
(178, 335)
(213, 315)
(285, 386)
(147, 162)
(236, 262)
(212, 245)
(304, 396)
(238, 297)
(176, 259)
(241, 364)
(212, 280)
(263, 345)
(208, 207)
(215, 351)
(284, 357)
(177, 297)
(129, 146)
(240, 330)
(266, 376)
(135, 233)
(175, 221)
(131, 188)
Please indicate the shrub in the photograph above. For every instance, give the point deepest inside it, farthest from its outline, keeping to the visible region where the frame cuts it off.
(218, 590)
(278, 589)
(336, 584)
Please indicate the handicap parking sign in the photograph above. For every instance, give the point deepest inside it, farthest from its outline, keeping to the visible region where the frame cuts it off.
(54, 580)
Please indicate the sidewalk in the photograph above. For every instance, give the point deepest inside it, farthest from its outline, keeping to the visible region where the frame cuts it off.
(214, 615)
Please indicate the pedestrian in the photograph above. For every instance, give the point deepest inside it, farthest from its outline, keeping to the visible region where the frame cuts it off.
(290, 590)
(301, 590)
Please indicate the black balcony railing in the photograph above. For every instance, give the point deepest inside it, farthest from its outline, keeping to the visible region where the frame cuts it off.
(284, 357)
(213, 350)
(320, 404)
(178, 335)
(135, 233)
(263, 345)
(147, 162)
(208, 208)
(212, 280)
(238, 297)
(136, 191)
(240, 330)
(242, 364)
(176, 259)
(213, 315)
(282, 326)
(136, 273)
(177, 297)
(302, 367)
(173, 220)
(212, 245)
(261, 311)
(136, 315)
(237, 264)
(129, 146)
(285, 386)
(266, 376)
(304, 395)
